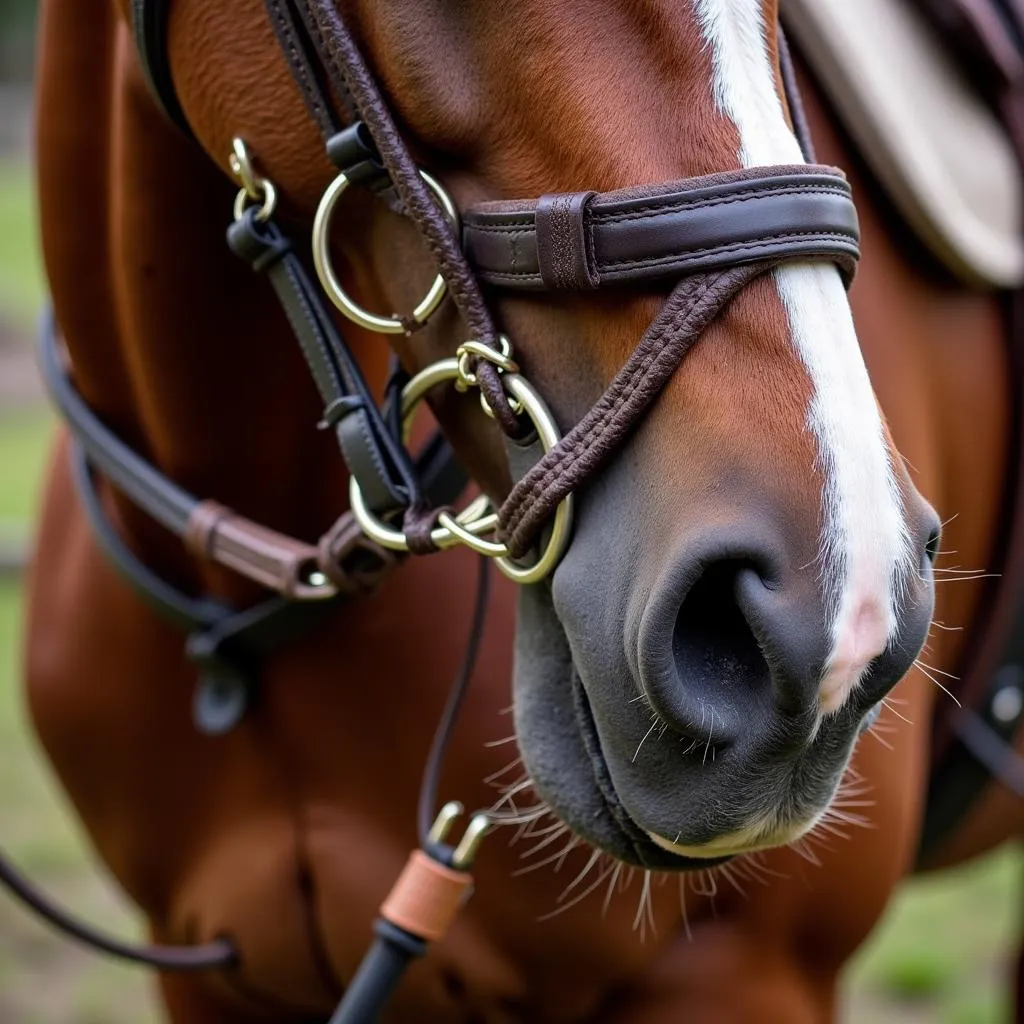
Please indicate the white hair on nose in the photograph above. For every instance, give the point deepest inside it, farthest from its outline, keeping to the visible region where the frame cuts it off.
(865, 546)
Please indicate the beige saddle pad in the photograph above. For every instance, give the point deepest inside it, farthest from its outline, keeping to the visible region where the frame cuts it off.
(934, 146)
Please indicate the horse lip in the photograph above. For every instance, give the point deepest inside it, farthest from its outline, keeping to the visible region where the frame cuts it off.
(642, 841)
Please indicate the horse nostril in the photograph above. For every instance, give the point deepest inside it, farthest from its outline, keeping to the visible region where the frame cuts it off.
(721, 675)
(931, 547)
(747, 647)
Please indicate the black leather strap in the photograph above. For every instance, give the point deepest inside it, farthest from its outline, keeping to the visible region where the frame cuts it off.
(149, 26)
(226, 645)
(585, 240)
(265, 556)
(168, 504)
(376, 458)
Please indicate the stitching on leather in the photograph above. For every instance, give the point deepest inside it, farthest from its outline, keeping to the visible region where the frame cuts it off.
(501, 229)
(525, 221)
(593, 272)
(685, 258)
(694, 203)
(297, 290)
(695, 256)
(510, 275)
(678, 204)
(329, 57)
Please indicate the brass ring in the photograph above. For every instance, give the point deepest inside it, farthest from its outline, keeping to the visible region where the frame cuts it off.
(490, 548)
(330, 282)
(474, 523)
(269, 201)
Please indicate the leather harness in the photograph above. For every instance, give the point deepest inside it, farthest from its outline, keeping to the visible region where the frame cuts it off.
(706, 237)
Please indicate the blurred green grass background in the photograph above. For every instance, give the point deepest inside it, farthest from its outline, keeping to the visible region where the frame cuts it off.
(943, 954)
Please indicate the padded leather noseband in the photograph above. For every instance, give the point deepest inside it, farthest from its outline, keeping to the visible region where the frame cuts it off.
(583, 240)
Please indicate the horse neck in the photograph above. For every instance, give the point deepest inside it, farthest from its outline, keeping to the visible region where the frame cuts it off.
(174, 341)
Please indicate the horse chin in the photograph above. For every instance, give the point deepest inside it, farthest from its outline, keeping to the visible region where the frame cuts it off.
(675, 814)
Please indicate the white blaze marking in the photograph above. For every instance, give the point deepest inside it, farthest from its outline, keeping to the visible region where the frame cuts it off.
(866, 545)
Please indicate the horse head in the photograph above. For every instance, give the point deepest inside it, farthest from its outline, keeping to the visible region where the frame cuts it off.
(750, 571)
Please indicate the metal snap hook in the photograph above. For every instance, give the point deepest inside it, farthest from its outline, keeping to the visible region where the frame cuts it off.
(255, 188)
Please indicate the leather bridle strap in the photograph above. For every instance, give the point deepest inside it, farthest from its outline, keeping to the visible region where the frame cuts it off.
(349, 75)
(372, 452)
(585, 240)
(721, 231)
(353, 563)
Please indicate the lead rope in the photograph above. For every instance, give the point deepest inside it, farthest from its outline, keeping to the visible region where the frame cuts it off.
(436, 881)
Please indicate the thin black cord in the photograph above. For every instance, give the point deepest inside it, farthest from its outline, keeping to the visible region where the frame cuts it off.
(217, 954)
(456, 695)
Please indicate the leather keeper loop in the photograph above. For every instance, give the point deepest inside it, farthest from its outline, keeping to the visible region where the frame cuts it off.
(353, 152)
(563, 241)
(426, 897)
(202, 527)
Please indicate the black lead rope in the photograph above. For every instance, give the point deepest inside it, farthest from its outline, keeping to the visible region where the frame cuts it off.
(395, 947)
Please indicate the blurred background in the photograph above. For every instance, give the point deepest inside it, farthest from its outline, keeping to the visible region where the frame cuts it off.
(944, 953)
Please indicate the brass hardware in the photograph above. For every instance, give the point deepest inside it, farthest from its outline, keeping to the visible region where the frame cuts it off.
(501, 359)
(465, 853)
(472, 525)
(444, 821)
(330, 282)
(255, 188)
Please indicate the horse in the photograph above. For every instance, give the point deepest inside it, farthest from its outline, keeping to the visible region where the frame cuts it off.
(749, 576)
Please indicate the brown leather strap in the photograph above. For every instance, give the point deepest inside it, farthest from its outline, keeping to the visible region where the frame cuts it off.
(563, 242)
(350, 560)
(263, 555)
(585, 240)
(795, 103)
(296, 47)
(691, 307)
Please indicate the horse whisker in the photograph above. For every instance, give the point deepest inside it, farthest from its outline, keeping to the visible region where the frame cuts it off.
(927, 672)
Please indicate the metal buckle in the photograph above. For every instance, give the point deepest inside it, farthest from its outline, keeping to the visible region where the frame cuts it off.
(325, 269)
(471, 526)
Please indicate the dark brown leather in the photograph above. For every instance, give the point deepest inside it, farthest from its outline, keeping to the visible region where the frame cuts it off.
(563, 242)
(584, 240)
(350, 560)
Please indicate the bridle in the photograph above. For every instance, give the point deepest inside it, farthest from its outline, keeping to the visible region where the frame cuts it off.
(712, 235)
